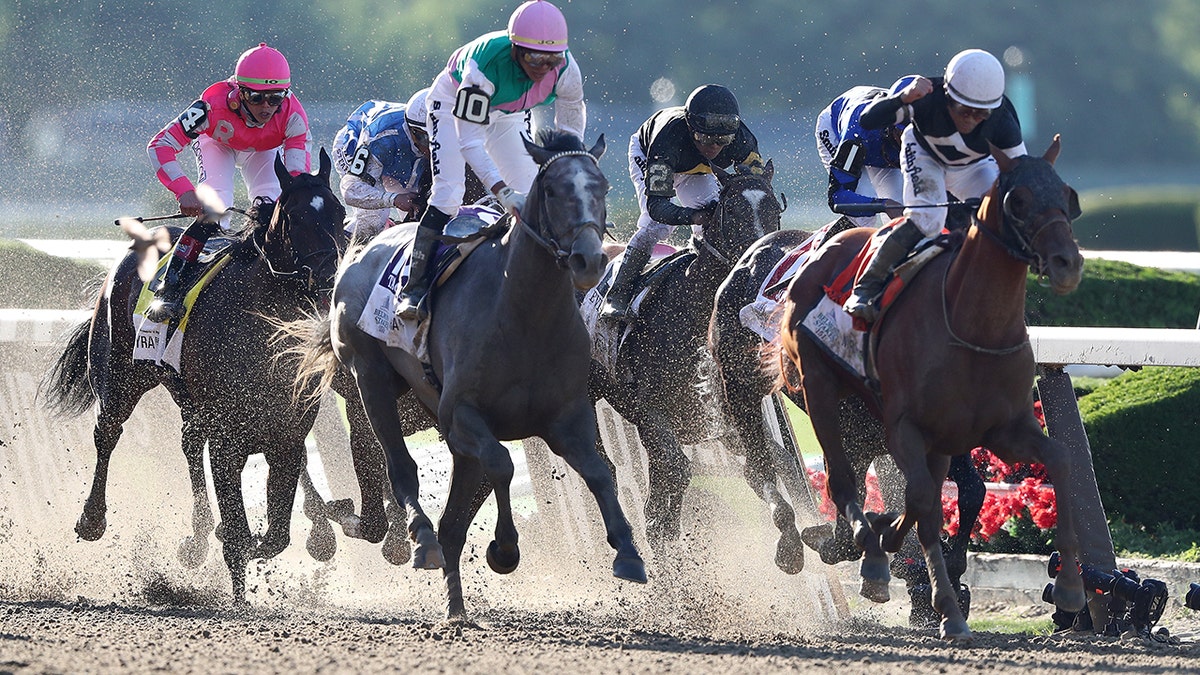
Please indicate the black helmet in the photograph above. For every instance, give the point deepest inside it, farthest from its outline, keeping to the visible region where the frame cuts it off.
(712, 109)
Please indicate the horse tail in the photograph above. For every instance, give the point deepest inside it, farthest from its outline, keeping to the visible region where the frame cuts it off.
(782, 353)
(66, 388)
(312, 347)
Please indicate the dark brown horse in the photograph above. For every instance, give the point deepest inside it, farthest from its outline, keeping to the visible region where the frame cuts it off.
(652, 381)
(507, 359)
(955, 370)
(231, 392)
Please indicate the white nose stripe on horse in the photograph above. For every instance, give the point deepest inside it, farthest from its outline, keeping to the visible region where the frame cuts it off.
(754, 198)
(317, 203)
(581, 181)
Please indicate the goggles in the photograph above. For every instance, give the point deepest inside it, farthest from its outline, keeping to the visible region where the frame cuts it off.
(967, 111)
(271, 98)
(542, 59)
(419, 135)
(713, 139)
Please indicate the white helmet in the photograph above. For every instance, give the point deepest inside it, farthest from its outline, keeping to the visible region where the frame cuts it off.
(975, 78)
(415, 111)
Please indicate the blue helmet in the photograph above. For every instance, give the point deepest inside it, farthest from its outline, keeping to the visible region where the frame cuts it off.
(900, 84)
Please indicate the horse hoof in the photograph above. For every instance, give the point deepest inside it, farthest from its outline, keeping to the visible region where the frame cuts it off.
(396, 549)
(789, 553)
(816, 536)
(428, 557)
(500, 561)
(321, 544)
(630, 569)
(1069, 599)
(90, 529)
(955, 630)
(875, 591)
(193, 551)
(340, 509)
(270, 547)
(875, 568)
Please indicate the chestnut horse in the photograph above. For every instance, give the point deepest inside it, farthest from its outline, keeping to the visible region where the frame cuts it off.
(955, 370)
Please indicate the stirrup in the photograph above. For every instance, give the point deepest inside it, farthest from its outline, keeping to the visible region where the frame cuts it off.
(411, 307)
(162, 311)
(614, 312)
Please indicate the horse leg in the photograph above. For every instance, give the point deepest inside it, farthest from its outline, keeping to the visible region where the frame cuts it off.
(945, 597)
(821, 400)
(369, 467)
(227, 464)
(744, 403)
(380, 387)
(1028, 444)
(572, 440)
(115, 408)
(468, 490)
(194, 549)
(469, 435)
(284, 465)
(321, 544)
(670, 473)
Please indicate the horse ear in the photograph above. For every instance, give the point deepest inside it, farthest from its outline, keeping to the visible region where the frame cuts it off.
(325, 165)
(598, 149)
(1004, 161)
(769, 170)
(537, 152)
(1073, 210)
(281, 172)
(1053, 150)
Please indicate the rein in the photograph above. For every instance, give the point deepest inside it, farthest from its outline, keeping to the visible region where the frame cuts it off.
(300, 269)
(541, 235)
(956, 341)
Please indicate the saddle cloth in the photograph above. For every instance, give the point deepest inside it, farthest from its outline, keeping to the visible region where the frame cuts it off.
(762, 315)
(159, 342)
(609, 336)
(378, 318)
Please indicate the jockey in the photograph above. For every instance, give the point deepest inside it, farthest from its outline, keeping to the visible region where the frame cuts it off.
(953, 119)
(381, 154)
(672, 155)
(479, 115)
(847, 150)
(242, 122)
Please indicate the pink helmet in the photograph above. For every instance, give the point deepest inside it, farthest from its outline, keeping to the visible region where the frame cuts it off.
(262, 68)
(538, 25)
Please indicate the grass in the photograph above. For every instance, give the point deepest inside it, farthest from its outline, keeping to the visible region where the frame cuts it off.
(31, 279)
(1011, 625)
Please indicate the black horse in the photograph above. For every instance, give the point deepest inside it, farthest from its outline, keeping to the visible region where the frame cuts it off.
(652, 380)
(232, 392)
(507, 359)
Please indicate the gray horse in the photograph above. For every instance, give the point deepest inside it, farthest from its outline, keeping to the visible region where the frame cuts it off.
(507, 359)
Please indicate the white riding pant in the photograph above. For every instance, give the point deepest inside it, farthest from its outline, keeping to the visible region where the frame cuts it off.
(884, 182)
(504, 145)
(217, 163)
(693, 190)
(927, 180)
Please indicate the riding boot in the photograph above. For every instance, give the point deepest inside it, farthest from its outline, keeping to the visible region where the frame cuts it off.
(410, 300)
(895, 246)
(168, 303)
(616, 302)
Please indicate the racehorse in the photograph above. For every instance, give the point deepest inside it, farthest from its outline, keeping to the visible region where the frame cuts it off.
(652, 380)
(507, 359)
(231, 392)
(954, 369)
(746, 374)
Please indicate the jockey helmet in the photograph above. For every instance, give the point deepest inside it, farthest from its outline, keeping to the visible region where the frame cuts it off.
(415, 111)
(262, 68)
(712, 109)
(900, 84)
(975, 79)
(538, 25)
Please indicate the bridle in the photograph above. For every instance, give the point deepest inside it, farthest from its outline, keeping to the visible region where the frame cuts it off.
(302, 268)
(539, 231)
(1014, 236)
(728, 259)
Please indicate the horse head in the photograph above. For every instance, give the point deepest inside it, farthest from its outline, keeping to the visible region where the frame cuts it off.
(1037, 208)
(747, 210)
(305, 236)
(566, 210)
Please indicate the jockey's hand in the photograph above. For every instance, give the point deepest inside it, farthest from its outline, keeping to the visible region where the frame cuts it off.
(511, 200)
(917, 89)
(189, 204)
(704, 215)
(404, 201)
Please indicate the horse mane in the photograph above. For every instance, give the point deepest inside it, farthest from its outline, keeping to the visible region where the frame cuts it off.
(557, 140)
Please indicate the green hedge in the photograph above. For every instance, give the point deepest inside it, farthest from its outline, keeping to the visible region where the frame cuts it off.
(1144, 431)
(1118, 294)
(1162, 219)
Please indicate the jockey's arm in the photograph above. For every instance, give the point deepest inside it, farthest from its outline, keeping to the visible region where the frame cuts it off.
(570, 111)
